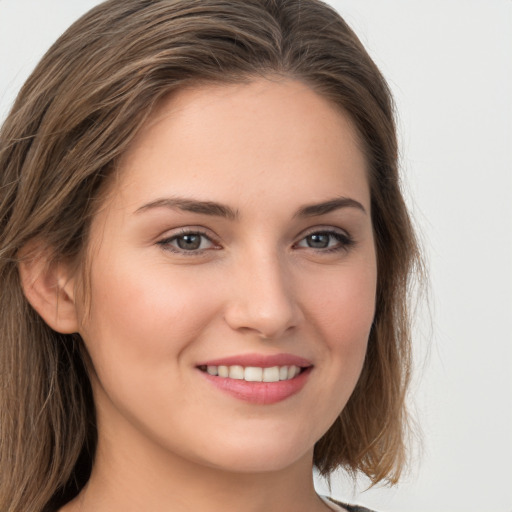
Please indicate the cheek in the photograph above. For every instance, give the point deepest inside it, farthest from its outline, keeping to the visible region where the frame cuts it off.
(144, 316)
(343, 303)
(340, 305)
(342, 309)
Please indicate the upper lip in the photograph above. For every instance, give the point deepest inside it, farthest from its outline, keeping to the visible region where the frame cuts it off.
(259, 360)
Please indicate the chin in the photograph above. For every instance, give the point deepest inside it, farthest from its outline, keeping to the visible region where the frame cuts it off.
(258, 462)
(258, 454)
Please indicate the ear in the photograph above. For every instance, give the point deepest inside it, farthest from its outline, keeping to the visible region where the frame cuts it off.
(49, 287)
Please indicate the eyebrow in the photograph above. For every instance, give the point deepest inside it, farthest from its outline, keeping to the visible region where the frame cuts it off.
(220, 210)
(192, 205)
(328, 206)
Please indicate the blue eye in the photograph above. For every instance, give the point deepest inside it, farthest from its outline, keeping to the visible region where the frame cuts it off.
(326, 241)
(189, 241)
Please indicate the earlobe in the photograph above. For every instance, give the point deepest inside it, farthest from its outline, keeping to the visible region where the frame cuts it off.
(49, 287)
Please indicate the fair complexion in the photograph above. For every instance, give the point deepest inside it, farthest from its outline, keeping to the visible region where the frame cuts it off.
(236, 234)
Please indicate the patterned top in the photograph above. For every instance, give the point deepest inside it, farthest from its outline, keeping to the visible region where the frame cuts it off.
(339, 507)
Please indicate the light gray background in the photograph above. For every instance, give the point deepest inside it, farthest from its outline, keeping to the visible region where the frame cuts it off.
(449, 63)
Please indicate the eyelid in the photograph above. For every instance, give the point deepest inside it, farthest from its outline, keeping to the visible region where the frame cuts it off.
(324, 229)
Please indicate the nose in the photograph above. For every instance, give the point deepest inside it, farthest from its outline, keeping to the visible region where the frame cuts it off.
(262, 298)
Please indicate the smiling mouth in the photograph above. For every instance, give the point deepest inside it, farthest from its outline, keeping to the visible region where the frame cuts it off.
(254, 373)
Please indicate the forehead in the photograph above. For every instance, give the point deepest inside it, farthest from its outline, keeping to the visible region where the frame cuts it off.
(216, 139)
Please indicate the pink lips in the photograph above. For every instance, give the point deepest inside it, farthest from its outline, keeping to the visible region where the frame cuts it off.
(259, 392)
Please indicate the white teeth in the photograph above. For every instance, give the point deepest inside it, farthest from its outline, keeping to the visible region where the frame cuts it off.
(271, 374)
(212, 370)
(236, 372)
(293, 371)
(254, 373)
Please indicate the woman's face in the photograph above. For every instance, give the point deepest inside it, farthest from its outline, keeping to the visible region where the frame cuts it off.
(233, 277)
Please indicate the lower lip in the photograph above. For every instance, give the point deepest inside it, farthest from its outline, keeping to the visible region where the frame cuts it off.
(263, 393)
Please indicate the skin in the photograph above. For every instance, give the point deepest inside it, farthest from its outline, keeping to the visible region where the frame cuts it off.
(168, 439)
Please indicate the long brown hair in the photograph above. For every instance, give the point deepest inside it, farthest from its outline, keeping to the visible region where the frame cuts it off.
(76, 115)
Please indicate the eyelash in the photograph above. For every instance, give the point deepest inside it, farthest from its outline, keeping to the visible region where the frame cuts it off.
(166, 242)
(345, 242)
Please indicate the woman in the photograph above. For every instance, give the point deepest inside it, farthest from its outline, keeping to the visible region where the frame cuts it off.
(205, 256)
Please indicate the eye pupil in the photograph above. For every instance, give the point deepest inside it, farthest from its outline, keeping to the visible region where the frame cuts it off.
(189, 242)
(318, 240)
